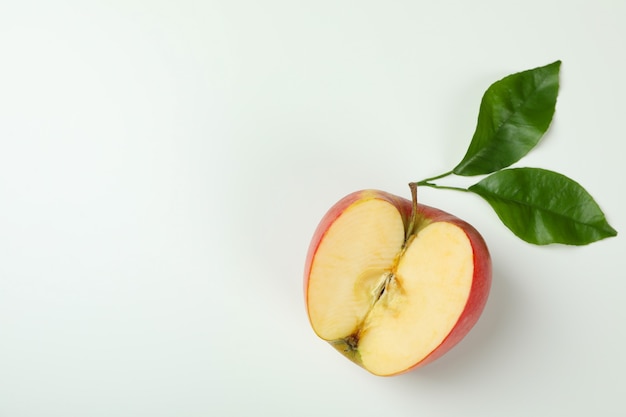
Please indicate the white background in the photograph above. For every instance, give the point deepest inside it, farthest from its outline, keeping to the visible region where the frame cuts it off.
(163, 165)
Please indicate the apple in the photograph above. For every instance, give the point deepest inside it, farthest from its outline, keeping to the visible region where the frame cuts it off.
(393, 284)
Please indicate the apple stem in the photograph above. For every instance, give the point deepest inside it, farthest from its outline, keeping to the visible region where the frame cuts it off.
(413, 187)
(413, 220)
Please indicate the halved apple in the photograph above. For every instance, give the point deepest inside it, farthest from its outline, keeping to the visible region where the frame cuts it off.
(391, 284)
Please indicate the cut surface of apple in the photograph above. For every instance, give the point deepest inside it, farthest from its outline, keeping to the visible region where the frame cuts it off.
(393, 287)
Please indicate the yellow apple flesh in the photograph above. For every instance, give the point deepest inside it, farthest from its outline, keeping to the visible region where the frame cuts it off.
(394, 285)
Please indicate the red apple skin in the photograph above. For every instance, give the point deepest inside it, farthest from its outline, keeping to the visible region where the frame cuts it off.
(481, 281)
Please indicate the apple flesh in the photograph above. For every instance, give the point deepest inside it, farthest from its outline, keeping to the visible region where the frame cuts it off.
(391, 284)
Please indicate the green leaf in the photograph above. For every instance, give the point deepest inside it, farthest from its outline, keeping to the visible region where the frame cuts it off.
(514, 114)
(543, 207)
